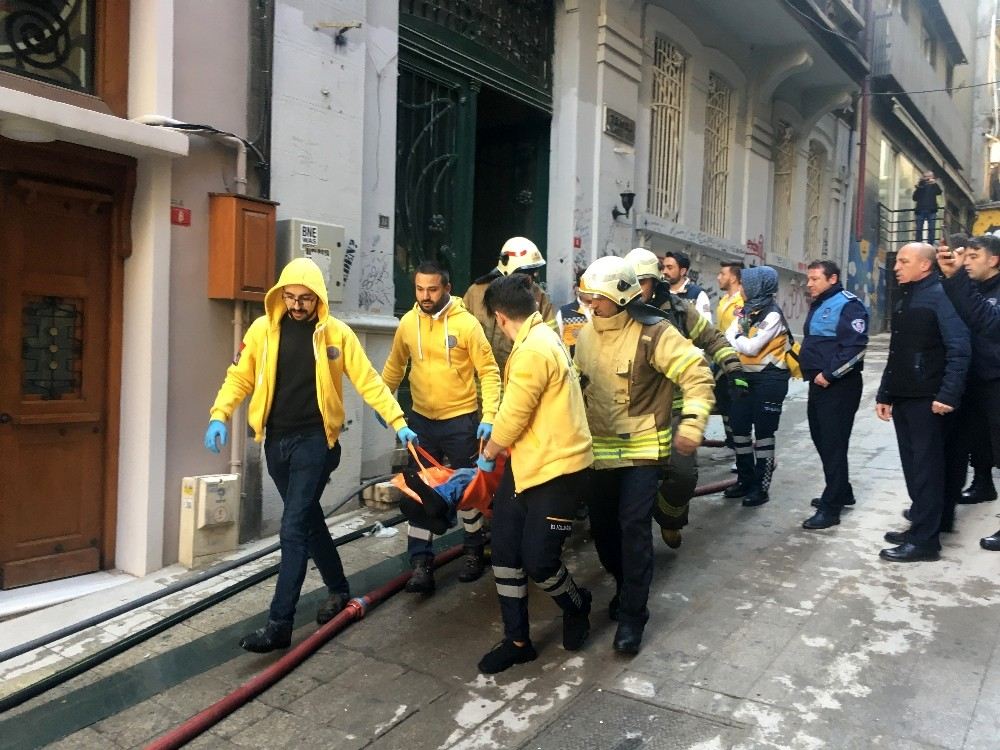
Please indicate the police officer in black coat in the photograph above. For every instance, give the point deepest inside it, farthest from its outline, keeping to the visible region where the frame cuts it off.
(921, 386)
(972, 283)
(831, 358)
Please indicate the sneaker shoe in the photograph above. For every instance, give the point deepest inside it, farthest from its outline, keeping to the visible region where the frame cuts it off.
(422, 579)
(332, 607)
(272, 636)
(473, 565)
(576, 625)
(671, 537)
(505, 655)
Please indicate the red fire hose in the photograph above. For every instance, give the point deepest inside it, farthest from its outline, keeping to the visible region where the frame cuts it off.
(713, 443)
(355, 610)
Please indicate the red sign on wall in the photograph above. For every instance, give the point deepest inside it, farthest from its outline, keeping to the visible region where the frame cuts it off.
(180, 216)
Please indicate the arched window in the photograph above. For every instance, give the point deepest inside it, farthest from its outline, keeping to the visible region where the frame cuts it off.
(715, 179)
(667, 105)
(815, 169)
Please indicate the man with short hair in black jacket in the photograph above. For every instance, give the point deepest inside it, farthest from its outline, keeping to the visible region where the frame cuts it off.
(972, 283)
(921, 386)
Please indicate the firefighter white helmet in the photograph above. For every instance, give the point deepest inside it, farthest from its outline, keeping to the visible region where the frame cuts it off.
(519, 254)
(611, 277)
(644, 262)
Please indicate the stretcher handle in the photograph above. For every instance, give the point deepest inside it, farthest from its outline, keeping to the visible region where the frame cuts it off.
(414, 451)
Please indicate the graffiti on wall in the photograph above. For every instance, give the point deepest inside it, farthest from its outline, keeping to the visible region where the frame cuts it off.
(866, 279)
(375, 285)
(754, 252)
(987, 221)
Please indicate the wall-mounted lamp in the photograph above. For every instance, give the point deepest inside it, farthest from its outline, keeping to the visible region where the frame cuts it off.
(27, 130)
(628, 198)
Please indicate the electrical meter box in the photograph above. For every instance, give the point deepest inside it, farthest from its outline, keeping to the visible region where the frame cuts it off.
(323, 243)
(210, 507)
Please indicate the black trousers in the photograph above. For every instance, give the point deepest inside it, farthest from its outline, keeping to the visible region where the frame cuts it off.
(621, 508)
(529, 529)
(922, 436)
(831, 413)
(754, 420)
(977, 428)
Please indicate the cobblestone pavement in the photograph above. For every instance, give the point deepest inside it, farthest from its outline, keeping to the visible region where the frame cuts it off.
(762, 635)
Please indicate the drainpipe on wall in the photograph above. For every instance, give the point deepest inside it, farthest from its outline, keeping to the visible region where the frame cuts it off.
(866, 91)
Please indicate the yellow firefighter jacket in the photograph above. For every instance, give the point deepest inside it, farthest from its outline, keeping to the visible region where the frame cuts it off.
(336, 351)
(498, 341)
(629, 372)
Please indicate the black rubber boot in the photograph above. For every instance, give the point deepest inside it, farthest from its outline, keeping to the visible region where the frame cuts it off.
(473, 564)
(576, 625)
(505, 655)
(272, 636)
(422, 580)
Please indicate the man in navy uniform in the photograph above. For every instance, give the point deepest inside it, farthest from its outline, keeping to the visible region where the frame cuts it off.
(832, 355)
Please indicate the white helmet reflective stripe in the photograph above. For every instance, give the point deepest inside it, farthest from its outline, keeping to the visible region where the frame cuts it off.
(611, 277)
(644, 262)
(519, 254)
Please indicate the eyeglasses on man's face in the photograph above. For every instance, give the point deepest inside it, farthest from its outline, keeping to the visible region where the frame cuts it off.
(303, 299)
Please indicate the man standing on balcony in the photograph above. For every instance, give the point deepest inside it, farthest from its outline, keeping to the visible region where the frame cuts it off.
(925, 206)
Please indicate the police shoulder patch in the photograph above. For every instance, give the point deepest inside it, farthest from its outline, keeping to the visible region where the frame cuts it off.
(858, 324)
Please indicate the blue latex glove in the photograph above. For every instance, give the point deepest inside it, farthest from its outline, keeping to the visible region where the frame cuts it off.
(216, 435)
(407, 436)
(380, 420)
(484, 431)
(485, 465)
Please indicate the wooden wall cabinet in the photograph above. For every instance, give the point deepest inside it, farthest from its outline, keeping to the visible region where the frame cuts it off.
(241, 263)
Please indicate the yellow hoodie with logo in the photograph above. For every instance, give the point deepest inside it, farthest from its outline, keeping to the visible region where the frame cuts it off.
(445, 352)
(336, 350)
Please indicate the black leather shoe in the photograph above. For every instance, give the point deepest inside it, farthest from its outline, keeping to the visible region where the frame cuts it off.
(895, 537)
(821, 520)
(576, 625)
(754, 498)
(909, 553)
(272, 636)
(331, 608)
(981, 490)
(992, 542)
(815, 502)
(505, 655)
(628, 638)
(737, 490)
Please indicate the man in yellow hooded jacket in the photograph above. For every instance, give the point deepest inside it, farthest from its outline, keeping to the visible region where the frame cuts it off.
(291, 364)
(543, 423)
(446, 350)
(630, 361)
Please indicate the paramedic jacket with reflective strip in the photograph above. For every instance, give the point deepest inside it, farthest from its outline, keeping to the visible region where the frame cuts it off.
(629, 372)
(836, 335)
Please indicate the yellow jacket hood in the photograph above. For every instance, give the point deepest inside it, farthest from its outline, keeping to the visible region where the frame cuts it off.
(303, 272)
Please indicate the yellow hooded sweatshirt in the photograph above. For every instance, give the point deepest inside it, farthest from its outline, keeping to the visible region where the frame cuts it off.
(336, 350)
(542, 417)
(445, 351)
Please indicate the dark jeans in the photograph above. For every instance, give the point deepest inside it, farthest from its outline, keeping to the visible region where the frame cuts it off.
(529, 529)
(754, 420)
(300, 466)
(621, 508)
(453, 439)
(977, 427)
(922, 436)
(831, 413)
(930, 219)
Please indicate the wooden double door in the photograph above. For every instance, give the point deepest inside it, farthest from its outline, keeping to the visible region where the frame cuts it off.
(64, 235)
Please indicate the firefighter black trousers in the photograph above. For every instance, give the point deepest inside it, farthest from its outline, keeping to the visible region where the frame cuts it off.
(831, 413)
(528, 532)
(621, 508)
